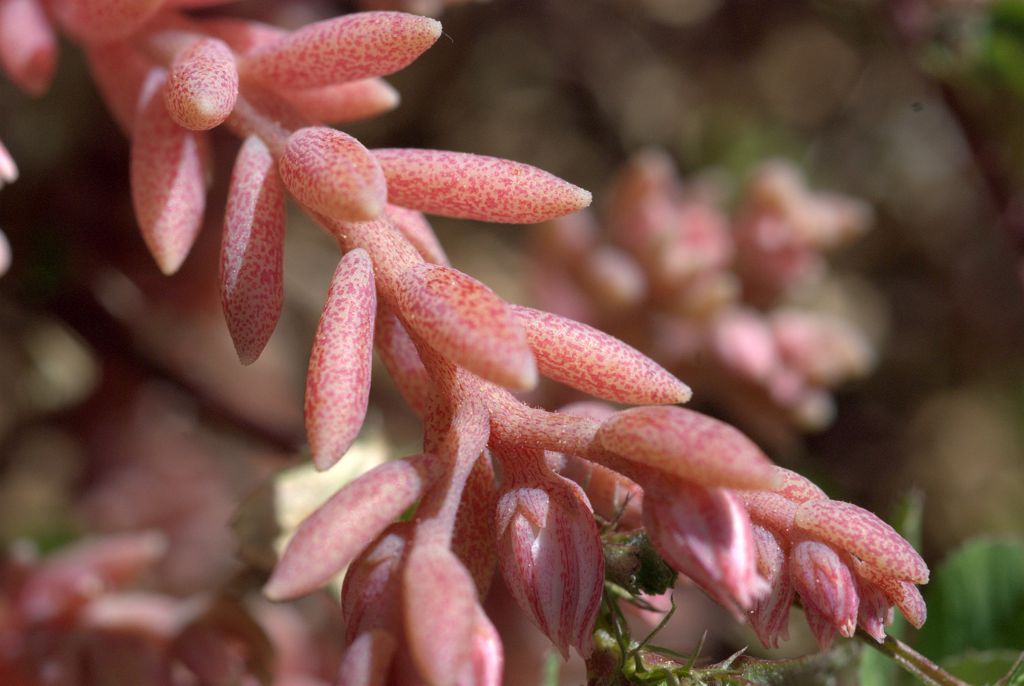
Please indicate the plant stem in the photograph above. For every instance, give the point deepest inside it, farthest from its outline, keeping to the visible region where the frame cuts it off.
(914, 662)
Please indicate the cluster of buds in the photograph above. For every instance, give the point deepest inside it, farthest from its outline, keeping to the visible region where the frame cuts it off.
(713, 299)
(421, 537)
(78, 616)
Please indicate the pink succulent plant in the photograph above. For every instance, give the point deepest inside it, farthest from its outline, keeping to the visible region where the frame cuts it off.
(486, 491)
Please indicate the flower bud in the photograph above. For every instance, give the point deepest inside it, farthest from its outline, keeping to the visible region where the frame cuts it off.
(827, 588)
(770, 615)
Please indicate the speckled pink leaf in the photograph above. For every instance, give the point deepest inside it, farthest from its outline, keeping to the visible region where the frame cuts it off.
(597, 364)
(769, 616)
(28, 47)
(855, 530)
(689, 445)
(203, 85)
(342, 103)
(167, 178)
(467, 186)
(338, 380)
(329, 539)
(417, 230)
(797, 488)
(907, 597)
(770, 510)
(80, 572)
(398, 353)
(825, 584)
(367, 660)
(705, 534)
(119, 70)
(97, 21)
(252, 250)
(440, 615)
(332, 173)
(242, 35)
(464, 321)
(346, 48)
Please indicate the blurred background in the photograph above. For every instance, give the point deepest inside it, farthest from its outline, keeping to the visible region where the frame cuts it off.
(123, 407)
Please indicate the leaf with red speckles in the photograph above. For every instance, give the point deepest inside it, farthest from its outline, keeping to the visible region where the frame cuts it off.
(417, 230)
(119, 70)
(798, 488)
(28, 47)
(338, 380)
(689, 445)
(346, 48)
(440, 613)
(597, 364)
(341, 103)
(329, 539)
(96, 21)
(203, 85)
(244, 36)
(332, 173)
(464, 321)
(855, 530)
(167, 177)
(467, 186)
(252, 251)
(398, 353)
(366, 661)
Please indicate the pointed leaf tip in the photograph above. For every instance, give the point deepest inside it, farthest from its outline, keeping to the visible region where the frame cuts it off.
(463, 320)
(468, 186)
(594, 362)
(333, 174)
(338, 380)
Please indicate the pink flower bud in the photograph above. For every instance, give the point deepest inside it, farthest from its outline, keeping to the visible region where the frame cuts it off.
(705, 534)
(464, 321)
(874, 611)
(769, 616)
(825, 585)
(332, 173)
(371, 596)
(168, 179)
(252, 250)
(338, 379)
(330, 538)
(466, 186)
(28, 47)
(347, 48)
(203, 85)
(689, 445)
(596, 363)
(551, 558)
(366, 660)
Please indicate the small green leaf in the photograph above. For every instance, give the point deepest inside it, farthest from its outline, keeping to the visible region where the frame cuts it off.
(976, 600)
(981, 667)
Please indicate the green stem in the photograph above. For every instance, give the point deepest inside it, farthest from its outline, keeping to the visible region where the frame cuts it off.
(914, 662)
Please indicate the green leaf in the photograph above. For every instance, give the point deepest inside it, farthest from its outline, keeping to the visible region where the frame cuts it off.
(976, 600)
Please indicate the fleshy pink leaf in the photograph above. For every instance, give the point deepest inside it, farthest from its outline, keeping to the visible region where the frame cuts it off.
(770, 510)
(597, 364)
(252, 250)
(347, 48)
(440, 621)
(242, 35)
(689, 445)
(119, 71)
(203, 85)
(469, 186)
(464, 321)
(167, 178)
(8, 169)
(797, 488)
(331, 173)
(330, 538)
(367, 660)
(855, 530)
(344, 102)
(417, 230)
(398, 353)
(96, 21)
(488, 658)
(338, 380)
(28, 47)
(371, 595)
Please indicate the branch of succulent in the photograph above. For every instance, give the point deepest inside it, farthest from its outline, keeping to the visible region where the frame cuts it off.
(499, 485)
